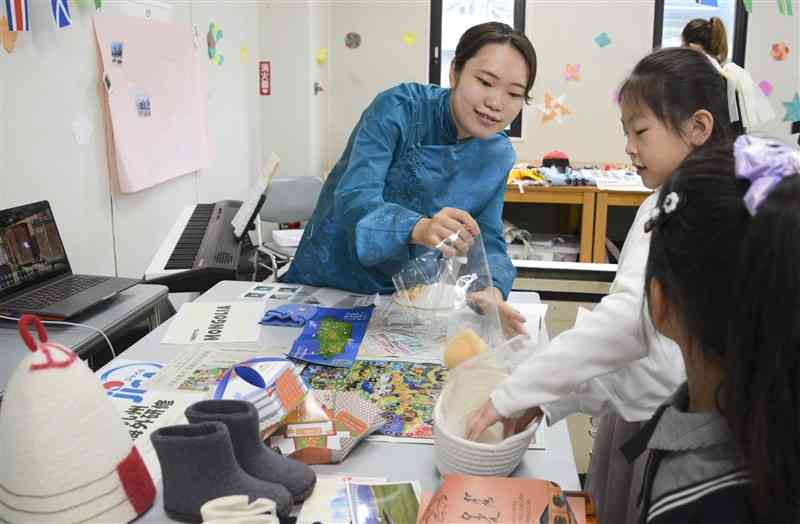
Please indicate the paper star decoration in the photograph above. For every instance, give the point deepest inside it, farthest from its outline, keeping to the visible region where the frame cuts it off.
(572, 72)
(553, 108)
(244, 54)
(602, 39)
(766, 87)
(409, 39)
(322, 55)
(792, 109)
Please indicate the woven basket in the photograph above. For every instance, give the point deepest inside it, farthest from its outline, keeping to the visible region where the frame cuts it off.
(491, 455)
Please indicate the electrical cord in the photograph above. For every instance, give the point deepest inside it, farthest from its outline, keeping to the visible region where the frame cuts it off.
(63, 323)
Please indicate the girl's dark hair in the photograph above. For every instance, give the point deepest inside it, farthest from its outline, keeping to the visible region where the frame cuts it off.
(480, 35)
(676, 82)
(733, 281)
(708, 34)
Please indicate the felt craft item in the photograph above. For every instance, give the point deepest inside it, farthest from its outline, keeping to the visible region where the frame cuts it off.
(65, 454)
(463, 346)
(556, 159)
(241, 419)
(237, 509)
(198, 465)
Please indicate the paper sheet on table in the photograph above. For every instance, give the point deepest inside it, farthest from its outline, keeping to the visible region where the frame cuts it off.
(159, 62)
(199, 369)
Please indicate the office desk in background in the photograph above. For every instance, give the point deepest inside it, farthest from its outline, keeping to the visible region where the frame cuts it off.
(394, 460)
(144, 304)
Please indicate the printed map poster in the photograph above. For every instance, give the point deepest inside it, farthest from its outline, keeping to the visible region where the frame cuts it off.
(406, 392)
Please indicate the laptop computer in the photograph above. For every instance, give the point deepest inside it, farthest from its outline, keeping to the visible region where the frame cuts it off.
(35, 275)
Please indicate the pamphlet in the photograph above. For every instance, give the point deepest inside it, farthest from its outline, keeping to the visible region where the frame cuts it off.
(498, 499)
(215, 322)
(331, 336)
(328, 503)
(383, 502)
(271, 384)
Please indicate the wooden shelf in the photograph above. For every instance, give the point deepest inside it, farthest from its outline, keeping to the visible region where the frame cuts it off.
(594, 210)
(580, 195)
(606, 199)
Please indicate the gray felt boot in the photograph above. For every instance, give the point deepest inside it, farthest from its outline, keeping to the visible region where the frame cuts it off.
(198, 465)
(253, 455)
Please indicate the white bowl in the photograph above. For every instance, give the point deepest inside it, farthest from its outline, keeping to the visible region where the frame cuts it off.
(432, 297)
(492, 455)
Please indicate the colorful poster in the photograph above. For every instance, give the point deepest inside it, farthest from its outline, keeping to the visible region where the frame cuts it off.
(405, 391)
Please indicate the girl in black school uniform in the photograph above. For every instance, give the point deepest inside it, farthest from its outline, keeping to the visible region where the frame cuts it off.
(723, 281)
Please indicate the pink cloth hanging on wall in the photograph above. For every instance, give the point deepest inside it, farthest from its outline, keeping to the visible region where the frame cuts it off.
(157, 100)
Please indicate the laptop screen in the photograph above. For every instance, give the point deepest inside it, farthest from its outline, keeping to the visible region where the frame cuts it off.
(31, 250)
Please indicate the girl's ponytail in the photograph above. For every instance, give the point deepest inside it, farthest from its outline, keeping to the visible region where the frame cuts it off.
(710, 35)
(718, 43)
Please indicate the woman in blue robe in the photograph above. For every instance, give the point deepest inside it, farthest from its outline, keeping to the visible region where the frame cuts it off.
(422, 163)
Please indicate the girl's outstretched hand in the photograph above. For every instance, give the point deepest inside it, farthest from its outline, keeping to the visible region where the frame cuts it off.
(485, 417)
(511, 321)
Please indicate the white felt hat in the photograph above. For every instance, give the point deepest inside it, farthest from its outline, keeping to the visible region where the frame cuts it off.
(65, 454)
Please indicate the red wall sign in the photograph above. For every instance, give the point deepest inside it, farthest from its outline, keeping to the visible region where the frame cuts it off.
(264, 77)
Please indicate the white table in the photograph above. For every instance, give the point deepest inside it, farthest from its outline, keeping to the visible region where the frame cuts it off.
(143, 302)
(396, 461)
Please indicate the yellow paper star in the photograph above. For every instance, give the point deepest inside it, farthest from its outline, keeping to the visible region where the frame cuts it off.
(409, 39)
(322, 55)
(8, 37)
(553, 108)
(243, 53)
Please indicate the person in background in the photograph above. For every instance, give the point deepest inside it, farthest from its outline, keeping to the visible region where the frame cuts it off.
(748, 106)
(424, 163)
(672, 104)
(723, 246)
(708, 36)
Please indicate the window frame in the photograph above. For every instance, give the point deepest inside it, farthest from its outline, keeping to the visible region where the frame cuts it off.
(739, 30)
(434, 57)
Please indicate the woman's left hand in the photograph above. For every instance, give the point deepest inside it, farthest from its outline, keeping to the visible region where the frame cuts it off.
(511, 321)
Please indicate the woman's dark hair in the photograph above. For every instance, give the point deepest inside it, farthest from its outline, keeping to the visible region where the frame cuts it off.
(733, 281)
(676, 82)
(480, 35)
(708, 34)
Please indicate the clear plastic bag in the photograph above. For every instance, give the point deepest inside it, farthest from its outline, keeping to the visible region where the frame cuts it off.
(449, 300)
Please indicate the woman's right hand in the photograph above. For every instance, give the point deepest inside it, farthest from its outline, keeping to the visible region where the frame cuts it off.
(434, 232)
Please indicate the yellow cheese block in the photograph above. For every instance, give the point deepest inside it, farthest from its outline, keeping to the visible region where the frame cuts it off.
(463, 346)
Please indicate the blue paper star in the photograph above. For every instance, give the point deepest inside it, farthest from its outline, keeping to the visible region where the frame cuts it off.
(792, 109)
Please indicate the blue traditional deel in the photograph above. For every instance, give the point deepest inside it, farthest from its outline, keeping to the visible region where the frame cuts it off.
(403, 162)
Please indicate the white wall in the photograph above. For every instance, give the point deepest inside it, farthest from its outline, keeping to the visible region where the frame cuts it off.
(293, 115)
(767, 26)
(563, 33)
(51, 79)
(382, 61)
